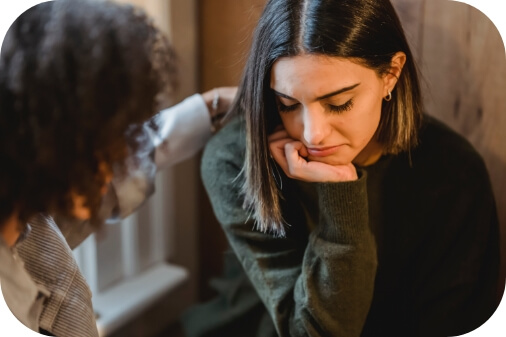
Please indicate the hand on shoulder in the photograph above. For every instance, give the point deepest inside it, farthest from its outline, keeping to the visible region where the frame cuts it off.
(219, 100)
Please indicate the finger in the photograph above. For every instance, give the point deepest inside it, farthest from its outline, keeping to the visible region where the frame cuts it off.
(296, 146)
(226, 96)
(279, 127)
(303, 150)
(279, 139)
(277, 149)
(280, 134)
(294, 160)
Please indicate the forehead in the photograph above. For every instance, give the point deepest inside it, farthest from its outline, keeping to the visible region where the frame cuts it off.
(313, 71)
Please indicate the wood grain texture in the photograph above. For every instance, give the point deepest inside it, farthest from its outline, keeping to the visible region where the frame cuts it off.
(411, 16)
(226, 28)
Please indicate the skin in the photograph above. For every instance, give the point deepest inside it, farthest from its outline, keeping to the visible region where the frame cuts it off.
(225, 97)
(330, 109)
(9, 232)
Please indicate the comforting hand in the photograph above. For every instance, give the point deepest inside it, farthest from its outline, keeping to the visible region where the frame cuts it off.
(219, 100)
(291, 155)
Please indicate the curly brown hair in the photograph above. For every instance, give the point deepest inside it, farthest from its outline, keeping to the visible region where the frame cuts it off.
(77, 80)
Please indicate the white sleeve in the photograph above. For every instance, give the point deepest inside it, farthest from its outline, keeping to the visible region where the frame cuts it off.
(183, 130)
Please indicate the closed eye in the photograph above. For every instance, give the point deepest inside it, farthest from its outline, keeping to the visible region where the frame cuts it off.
(287, 108)
(341, 108)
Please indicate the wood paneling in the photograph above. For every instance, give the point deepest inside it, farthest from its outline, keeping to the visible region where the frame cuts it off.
(226, 31)
(226, 28)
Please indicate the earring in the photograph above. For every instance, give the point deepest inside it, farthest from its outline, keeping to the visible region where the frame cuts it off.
(388, 97)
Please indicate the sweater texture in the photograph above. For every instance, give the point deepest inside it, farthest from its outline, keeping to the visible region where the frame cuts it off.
(411, 248)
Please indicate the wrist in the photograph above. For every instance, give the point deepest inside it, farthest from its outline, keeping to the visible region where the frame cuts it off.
(212, 100)
(209, 98)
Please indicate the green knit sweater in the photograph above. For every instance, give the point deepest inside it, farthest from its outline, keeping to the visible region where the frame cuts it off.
(409, 249)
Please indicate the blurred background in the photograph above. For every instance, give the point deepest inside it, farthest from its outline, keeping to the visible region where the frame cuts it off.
(145, 271)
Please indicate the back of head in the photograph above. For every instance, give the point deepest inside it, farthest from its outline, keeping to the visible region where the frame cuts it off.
(76, 80)
(367, 32)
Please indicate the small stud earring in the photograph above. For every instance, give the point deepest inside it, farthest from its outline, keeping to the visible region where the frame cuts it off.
(388, 97)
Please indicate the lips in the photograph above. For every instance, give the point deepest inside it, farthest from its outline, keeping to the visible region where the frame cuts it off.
(323, 151)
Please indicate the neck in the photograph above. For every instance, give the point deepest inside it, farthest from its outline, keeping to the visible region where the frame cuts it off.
(9, 230)
(370, 154)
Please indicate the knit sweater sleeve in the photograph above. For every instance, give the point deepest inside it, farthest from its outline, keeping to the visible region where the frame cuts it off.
(321, 285)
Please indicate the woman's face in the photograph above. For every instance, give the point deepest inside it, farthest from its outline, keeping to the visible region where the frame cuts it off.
(332, 105)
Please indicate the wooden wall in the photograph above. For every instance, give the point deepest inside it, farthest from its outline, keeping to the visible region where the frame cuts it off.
(225, 36)
(461, 57)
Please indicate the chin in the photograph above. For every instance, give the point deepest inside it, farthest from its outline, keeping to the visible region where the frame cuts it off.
(81, 213)
(331, 160)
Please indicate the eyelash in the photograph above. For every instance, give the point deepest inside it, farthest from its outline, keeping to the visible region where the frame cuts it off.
(341, 108)
(333, 108)
(286, 108)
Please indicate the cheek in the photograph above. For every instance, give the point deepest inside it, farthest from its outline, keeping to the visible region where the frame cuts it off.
(80, 211)
(375, 115)
(361, 123)
(292, 125)
(370, 124)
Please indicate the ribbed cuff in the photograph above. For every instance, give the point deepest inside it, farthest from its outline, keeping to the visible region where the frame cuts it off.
(343, 209)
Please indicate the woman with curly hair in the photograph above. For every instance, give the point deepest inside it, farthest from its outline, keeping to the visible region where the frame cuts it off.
(81, 84)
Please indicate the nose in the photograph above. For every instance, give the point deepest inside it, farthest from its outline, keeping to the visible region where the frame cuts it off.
(315, 125)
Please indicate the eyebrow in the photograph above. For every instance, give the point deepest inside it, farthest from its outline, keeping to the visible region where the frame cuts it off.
(337, 92)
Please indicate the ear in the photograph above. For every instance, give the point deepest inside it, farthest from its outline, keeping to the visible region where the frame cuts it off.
(390, 78)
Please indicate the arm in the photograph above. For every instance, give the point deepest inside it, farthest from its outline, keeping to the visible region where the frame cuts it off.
(67, 308)
(182, 131)
(173, 135)
(459, 293)
(320, 285)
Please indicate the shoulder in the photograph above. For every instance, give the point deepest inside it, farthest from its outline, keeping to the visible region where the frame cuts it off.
(221, 167)
(224, 153)
(444, 152)
(439, 142)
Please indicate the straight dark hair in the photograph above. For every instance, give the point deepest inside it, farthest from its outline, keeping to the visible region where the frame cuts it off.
(368, 32)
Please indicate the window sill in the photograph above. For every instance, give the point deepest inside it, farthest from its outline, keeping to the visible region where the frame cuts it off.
(121, 303)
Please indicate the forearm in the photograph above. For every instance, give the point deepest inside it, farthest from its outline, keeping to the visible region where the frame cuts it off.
(174, 135)
(459, 292)
(316, 288)
(182, 131)
(335, 289)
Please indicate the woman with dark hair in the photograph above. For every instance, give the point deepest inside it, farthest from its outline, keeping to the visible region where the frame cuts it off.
(350, 210)
(81, 85)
